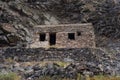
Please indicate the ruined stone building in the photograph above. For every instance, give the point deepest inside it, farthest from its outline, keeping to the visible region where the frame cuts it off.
(63, 36)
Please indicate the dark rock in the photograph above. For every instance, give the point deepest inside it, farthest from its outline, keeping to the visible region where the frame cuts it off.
(36, 68)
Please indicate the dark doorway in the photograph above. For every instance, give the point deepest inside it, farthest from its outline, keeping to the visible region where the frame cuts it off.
(52, 39)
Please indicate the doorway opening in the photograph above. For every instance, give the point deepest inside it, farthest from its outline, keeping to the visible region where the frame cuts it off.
(52, 39)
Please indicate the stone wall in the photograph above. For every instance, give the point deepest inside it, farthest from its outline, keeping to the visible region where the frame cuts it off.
(85, 38)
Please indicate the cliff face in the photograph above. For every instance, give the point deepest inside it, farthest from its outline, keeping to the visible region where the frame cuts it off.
(22, 15)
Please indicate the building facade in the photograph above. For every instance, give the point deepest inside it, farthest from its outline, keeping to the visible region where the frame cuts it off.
(63, 36)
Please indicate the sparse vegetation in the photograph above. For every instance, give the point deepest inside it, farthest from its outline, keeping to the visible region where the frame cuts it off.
(54, 78)
(14, 76)
(9, 76)
(62, 64)
(80, 77)
(101, 77)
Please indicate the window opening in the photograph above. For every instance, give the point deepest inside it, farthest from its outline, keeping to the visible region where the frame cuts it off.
(78, 33)
(42, 36)
(71, 36)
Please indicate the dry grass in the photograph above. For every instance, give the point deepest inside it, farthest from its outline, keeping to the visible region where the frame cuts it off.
(9, 76)
(53, 78)
(13, 76)
(104, 78)
(99, 77)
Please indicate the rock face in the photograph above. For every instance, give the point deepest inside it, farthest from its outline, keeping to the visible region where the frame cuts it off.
(28, 13)
(82, 11)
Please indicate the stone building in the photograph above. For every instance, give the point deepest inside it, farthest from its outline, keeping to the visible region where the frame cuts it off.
(63, 36)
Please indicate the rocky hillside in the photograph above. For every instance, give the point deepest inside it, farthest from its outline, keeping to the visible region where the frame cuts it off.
(18, 17)
(65, 63)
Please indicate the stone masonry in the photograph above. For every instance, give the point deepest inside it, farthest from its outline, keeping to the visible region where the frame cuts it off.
(63, 36)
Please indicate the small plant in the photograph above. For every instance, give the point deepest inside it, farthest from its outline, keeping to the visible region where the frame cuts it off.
(62, 64)
(9, 76)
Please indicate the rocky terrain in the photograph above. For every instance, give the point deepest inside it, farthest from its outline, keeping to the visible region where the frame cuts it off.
(18, 17)
(65, 63)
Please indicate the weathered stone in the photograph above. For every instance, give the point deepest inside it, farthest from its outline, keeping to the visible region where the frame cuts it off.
(60, 36)
(8, 28)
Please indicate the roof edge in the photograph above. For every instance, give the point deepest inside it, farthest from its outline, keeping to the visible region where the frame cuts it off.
(58, 25)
